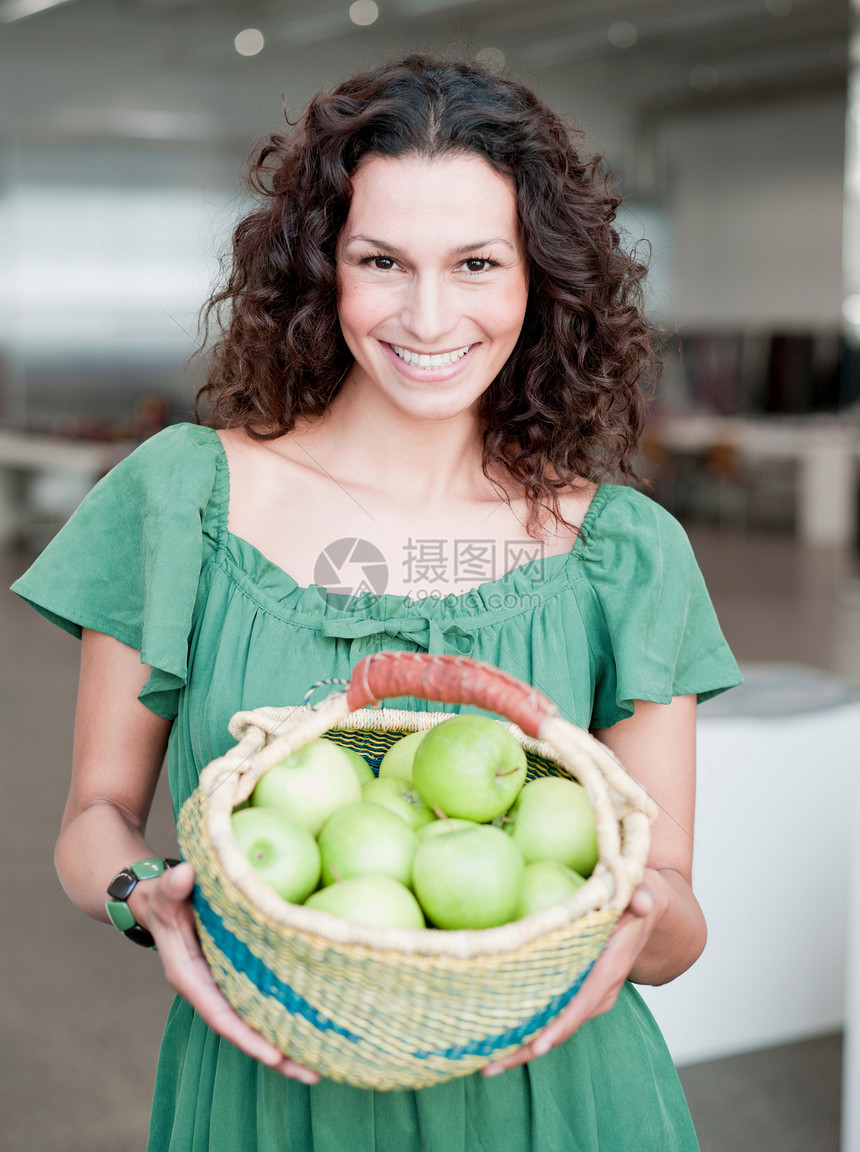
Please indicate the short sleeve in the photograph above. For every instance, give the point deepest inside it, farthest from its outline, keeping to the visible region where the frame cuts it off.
(660, 636)
(128, 562)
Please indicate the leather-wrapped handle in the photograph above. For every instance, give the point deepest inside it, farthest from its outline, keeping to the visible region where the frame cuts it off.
(451, 680)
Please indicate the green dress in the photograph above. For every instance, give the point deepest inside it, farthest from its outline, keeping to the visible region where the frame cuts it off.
(624, 615)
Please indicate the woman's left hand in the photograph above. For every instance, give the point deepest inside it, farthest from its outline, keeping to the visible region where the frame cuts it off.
(600, 988)
(662, 930)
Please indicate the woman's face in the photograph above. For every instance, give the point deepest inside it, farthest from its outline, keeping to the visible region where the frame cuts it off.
(432, 281)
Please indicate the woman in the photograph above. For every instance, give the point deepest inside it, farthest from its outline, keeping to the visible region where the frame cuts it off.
(431, 343)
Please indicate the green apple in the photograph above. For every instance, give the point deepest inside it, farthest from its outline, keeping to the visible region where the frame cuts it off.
(470, 767)
(361, 766)
(397, 761)
(363, 838)
(284, 853)
(469, 878)
(370, 899)
(552, 819)
(309, 785)
(400, 796)
(546, 882)
(446, 824)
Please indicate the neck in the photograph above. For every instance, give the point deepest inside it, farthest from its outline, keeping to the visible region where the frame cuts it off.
(376, 444)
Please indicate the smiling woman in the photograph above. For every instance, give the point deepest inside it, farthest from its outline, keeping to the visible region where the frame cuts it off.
(430, 316)
(533, 213)
(429, 347)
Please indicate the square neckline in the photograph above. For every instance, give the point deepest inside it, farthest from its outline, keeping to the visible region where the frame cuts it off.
(451, 599)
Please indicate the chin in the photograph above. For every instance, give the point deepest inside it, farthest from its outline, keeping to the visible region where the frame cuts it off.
(438, 412)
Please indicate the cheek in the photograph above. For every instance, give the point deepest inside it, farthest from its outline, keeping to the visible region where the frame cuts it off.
(359, 307)
(510, 312)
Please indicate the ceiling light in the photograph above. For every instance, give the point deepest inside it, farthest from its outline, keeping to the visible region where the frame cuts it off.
(249, 42)
(493, 59)
(363, 12)
(622, 34)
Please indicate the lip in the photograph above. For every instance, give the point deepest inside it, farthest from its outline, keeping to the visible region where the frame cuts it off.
(429, 375)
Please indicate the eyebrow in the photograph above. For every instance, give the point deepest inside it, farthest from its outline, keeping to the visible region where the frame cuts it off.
(456, 251)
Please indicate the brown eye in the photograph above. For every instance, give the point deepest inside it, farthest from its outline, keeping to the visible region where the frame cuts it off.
(476, 264)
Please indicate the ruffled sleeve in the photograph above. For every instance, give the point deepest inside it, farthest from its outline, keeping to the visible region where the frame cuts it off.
(659, 636)
(128, 562)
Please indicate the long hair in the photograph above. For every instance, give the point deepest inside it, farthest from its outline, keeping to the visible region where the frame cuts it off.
(569, 402)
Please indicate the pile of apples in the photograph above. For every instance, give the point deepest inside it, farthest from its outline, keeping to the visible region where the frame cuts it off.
(449, 834)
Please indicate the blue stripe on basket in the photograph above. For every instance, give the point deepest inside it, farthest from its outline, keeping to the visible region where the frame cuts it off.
(489, 1045)
(266, 982)
(262, 977)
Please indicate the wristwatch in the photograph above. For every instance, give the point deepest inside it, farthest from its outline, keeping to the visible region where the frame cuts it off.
(122, 886)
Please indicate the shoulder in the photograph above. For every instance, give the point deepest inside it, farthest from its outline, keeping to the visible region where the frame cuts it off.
(631, 544)
(178, 441)
(176, 476)
(619, 512)
(180, 458)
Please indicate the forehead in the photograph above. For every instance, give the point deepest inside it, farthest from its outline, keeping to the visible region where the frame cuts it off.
(454, 193)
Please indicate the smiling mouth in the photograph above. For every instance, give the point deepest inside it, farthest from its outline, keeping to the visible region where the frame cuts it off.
(424, 360)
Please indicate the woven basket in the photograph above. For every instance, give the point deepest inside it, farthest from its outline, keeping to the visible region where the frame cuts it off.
(403, 1008)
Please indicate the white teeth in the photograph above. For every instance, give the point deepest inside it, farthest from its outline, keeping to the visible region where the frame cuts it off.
(422, 360)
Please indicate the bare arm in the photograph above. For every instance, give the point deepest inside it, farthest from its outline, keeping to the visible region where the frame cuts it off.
(118, 751)
(663, 930)
(119, 748)
(657, 746)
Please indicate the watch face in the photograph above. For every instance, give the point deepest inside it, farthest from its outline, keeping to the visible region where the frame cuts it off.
(122, 885)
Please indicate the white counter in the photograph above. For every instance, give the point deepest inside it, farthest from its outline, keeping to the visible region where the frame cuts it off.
(76, 464)
(778, 808)
(826, 450)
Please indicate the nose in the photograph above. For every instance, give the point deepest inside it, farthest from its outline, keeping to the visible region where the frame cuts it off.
(429, 310)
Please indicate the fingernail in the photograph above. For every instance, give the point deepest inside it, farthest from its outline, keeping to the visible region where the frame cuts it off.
(492, 1070)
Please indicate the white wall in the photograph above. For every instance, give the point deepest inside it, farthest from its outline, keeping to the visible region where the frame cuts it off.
(755, 200)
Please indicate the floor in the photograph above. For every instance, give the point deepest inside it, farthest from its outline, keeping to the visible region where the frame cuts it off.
(82, 1010)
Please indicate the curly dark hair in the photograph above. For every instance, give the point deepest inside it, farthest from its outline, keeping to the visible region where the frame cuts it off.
(569, 402)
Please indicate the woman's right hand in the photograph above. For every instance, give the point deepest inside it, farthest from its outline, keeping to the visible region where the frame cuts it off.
(165, 908)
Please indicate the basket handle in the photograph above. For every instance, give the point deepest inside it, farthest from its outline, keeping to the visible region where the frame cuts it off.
(450, 679)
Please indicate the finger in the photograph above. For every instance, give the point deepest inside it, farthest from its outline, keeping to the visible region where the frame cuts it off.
(601, 986)
(189, 974)
(512, 1060)
(641, 902)
(178, 882)
(597, 995)
(193, 980)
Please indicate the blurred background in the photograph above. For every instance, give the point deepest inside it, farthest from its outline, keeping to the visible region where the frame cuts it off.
(734, 129)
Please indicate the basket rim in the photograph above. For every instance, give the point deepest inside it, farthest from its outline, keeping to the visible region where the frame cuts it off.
(269, 734)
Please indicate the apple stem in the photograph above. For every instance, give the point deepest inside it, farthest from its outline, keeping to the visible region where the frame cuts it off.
(338, 879)
(440, 815)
